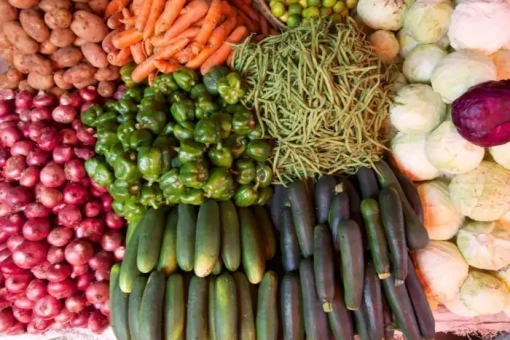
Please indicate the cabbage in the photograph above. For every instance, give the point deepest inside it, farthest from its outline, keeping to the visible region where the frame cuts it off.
(457, 307)
(417, 109)
(450, 153)
(442, 268)
(482, 25)
(485, 245)
(501, 154)
(501, 60)
(460, 70)
(383, 14)
(406, 42)
(444, 42)
(385, 45)
(428, 21)
(482, 194)
(441, 219)
(484, 293)
(422, 60)
(408, 154)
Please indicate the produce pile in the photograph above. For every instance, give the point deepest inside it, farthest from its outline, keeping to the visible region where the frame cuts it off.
(294, 12)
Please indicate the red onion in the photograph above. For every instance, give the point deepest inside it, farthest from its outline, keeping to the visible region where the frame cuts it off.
(39, 271)
(84, 153)
(24, 99)
(14, 242)
(4, 156)
(97, 190)
(22, 315)
(89, 94)
(29, 254)
(76, 124)
(36, 289)
(7, 94)
(79, 270)
(9, 118)
(111, 240)
(41, 324)
(60, 236)
(74, 170)
(113, 221)
(62, 289)
(73, 99)
(91, 228)
(83, 281)
(3, 236)
(76, 303)
(49, 139)
(36, 210)
(79, 252)
(55, 255)
(97, 292)
(118, 253)
(24, 128)
(107, 201)
(44, 99)
(47, 308)
(38, 157)
(86, 136)
(80, 319)
(32, 330)
(4, 253)
(92, 208)
(5, 210)
(58, 208)
(22, 147)
(35, 130)
(12, 224)
(6, 107)
(102, 260)
(9, 125)
(40, 114)
(24, 302)
(58, 272)
(6, 320)
(97, 322)
(16, 328)
(119, 93)
(17, 198)
(85, 106)
(36, 229)
(64, 114)
(17, 283)
(14, 167)
(10, 135)
(63, 154)
(30, 176)
(102, 275)
(9, 267)
(68, 137)
(64, 316)
(50, 197)
(69, 216)
(105, 308)
(24, 115)
(75, 194)
(12, 297)
(52, 175)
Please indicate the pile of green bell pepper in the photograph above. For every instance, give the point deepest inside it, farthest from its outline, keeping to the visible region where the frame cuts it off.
(184, 140)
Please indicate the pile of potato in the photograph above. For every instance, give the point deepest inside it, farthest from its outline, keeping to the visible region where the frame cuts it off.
(55, 45)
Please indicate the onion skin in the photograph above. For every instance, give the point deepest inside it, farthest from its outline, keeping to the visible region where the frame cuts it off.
(38, 157)
(69, 137)
(76, 303)
(36, 229)
(47, 308)
(22, 147)
(52, 176)
(91, 228)
(111, 240)
(64, 114)
(79, 270)
(55, 255)
(97, 322)
(16, 328)
(6, 320)
(97, 292)
(39, 271)
(74, 170)
(10, 135)
(22, 315)
(8, 267)
(80, 320)
(18, 283)
(102, 260)
(79, 252)
(118, 253)
(29, 254)
(83, 281)
(102, 275)
(24, 303)
(58, 272)
(36, 290)
(14, 242)
(62, 154)
(30, 176)
(36, 210)
(75, 193)
(92, 208)
(44, 99)
(69, 216)
(64, 317)
(60, 236)
(50, 197)
(62, 289)
(14, 167)
(113, 221)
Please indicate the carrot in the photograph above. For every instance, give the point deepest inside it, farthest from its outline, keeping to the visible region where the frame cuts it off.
(143, 16)
(167, 66)
(221, 55)
(120, 57)
(128, 18)
(229, 59)
(137, 52)
(272, 31)
(129, 22)
(264, 27)
(199, 23)
(151, 77)
(244, 20)
(196, 10)
(114, 7)
(143, 70)
(250, 12)
(148, 47)
(156, 10)
(170, 13)
(169, 50)
(126, 38)
(211, 20)
(136, 6)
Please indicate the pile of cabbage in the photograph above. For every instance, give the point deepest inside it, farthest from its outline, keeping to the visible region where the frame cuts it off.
(444, 48)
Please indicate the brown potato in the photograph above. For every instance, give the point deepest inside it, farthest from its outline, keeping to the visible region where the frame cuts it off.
(23, 4)
(98, 6)
(80, 42)
(106, 88)
(19, 38)
(38, 64)
(109, 73)
(20, 62)
(88, 82)
(58, 18)
(4, 43)
(24, 86)
(58, 77)
(40, 82)
(33, 23)
(66, 57)
(94, 55)
(114, 21)
(48, 5)
(88, 26)
(10, 79)
(107, 42)
(79, 73)
(62, 37)
(47, 48)
(9, 13)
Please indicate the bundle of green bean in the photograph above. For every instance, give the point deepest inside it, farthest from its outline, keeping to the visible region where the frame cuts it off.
(322, 94)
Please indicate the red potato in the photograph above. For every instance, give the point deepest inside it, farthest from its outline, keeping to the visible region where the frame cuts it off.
(4, 43)
(109, 73)
(107, 43)
(7, 54)
(38, 64)
(98, 6)
(82, 6)
(10, 79)
(20, 63)
(79, 73)
(66, 57)
(88, 26)
(24, 86)
(39, 81)
(114, 21)
(47, 47)
(22, 4)
(56, 91)
(94, 55)
(106, 88)
(62, 37)
(19, 38)
(58, 78)
(79, 42)
(9, 13)
(58, 18)
(86, 83)
(48, 5)
(33, 23)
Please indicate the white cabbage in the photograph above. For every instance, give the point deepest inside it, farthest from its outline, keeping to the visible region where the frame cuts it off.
(421, 62)
(406, 42)
(501, 60)
(383, 14)
(428, 21)
(450, 153)
(417, 109)
(482, 194)
(441, 219)
(408, 154)
(442, 268)
(484, 293)
(460, 70)
(457, 307)
(485, 245)
(501, 154)
(385, 45)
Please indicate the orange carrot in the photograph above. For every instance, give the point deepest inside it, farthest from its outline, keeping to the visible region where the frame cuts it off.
(148, 47)
(167, 66)
(120, 58)
(151, 77)
(143, 70)
(114, 7)
(199, 23)
(226, 9)
(221, 55)
(185, 55)
(170, 13)
(143, 16)
(196, 11)
(156, 10)
(160, 40)
(136, 6)
(137, 52)
(129, 22)
(244, 20)
(126, 38)
(250, 12)
(169, 50)
(211, 20)
(264, 27)
(229, 59)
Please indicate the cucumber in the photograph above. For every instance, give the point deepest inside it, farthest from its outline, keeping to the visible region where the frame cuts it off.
(361, 322)
(421, 306)
(186, 232)
(338, 212)
(212, 308)
(340, 319)
(175, 308)
(225, 307)
(267, 312)
(134, 303)
(354, 199)
(196, 320)
(291, 306)
(412, 195)
(302, 216)
(353, 264)
(372, 303)
(402, 308)
(367, 183)
(393, 224)
(253, 257)
(289, 244)
(118, 306)
(207, 241)
(277, 203)
(389, 332)
(218, 267)
(150, 317)
(246, 319)
(167, 262)
(129, 269)
(416, 234)
(266, 230)
(324, 269)
(315, 320)
(151, 235)
(324, 192)
(376, 238)
(230, 236)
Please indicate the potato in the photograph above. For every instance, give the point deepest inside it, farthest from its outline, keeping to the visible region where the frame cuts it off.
(8, 54)
(109, 73)
(107, 42)
(106, 88)
(47, 48)
(40, 82)
(88, 82)
(94, 54)
(49, 5)
(10, 79)
(9, 13)
(56, 91)
(79, 73)
(58, 78)
(20, 62)
(34, 25)
(114, 21)
(58, 18)
(19, 38)
(23, 4)
(89, 27)
(80, 42)
(4, 43)
(24, 86)
(98, 6)
(38, 64)
(66, 57)
(81, 6)
(62, 37)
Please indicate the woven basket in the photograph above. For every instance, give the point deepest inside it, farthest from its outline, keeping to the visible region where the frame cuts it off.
(263, 8)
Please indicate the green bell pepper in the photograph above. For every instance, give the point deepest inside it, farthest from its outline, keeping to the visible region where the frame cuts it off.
(151, 119)
(125, 167)
(164, 141)
(256, 133)
(106, 117)
(90, 115)
(192, 196)
(134, 94)
(190, 151)
(245, 171)
(176, 163)
(235, 108)
(140, 138)
(118, 208)
(171, 199)
(211, 78)
(264, 175)
(207, 131)
(127, 117)
(194, 174)
(264, 195)
(231, 88)
(221, 156)
(185, 78)
(168, 130)
(198, 91)
(125, 74)
(177, 96)
(243, 123)
(149, 92)
(184, 131)
(156, 103)
(151, 195)
(91, 165)
(258, 150)
(225, 121)
(165, 84)
(204, 107)
(113, 152)
(107, 126)
(122, 191)
(133, 211)
(237, 145)
(183, 111)
(124, 133)
(219, 185)
(151, 163)
(103, 176)
(170, 183)
(125, 106)
(246, 195)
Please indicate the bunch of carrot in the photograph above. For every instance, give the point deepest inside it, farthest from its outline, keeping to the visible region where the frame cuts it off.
(163, 35)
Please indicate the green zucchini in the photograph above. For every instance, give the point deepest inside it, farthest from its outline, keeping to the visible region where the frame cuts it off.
(118, 306)
(134, 304)
(207, 244)
(267, 311)
(354, 199)
(266, 230)
(225, 301)
(376, 237)
(167, 262)
(324, 269)
(212, 308)
(372, 302)
(367, 183)
(421, 306)
(151, 235)
(340, 319)
(230, 236)
(324, 192)
(186, 232)
(362, 326)
(253, 257)
(339, 211)
(289, 244)
(150, 317)
(291, 306)
(277, 202)
(393, 224)
(353, 264)
(196, 319)
(175, 308)
(412, 195)
(315, 320)
(302, 216)
(129, 269)
(245, 309)
(389, 332)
